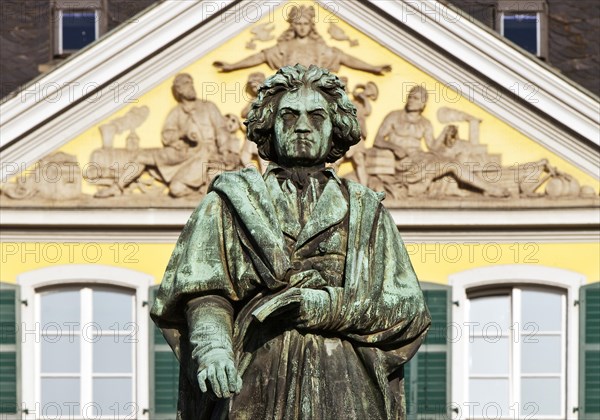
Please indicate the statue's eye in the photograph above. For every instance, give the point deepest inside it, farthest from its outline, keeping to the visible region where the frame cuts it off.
(288, 116)
(317, 116)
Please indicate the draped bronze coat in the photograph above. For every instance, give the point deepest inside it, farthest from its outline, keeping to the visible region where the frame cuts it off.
(240, 245)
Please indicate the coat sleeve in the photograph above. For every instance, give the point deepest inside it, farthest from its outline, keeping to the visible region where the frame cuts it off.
(208, 259)
(381, 307)
(381, 303)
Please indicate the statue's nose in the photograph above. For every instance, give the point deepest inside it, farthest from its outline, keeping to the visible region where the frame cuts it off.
(302, 125)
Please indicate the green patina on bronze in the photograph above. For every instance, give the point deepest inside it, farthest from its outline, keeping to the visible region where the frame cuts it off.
(291, 294)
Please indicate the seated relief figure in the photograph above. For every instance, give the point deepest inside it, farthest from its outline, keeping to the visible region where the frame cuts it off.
(190, 136)
(291, 294)
(302, 44)
(415, 168)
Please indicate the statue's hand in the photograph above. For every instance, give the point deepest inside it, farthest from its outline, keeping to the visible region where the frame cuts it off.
(308, 308)
(222, 375)
(381, 70)
(222, 67)
(315, 308)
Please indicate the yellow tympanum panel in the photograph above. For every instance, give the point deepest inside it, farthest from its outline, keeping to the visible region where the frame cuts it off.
(227, 91)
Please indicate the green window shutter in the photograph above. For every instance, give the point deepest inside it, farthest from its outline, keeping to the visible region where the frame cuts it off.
(164, 373)
(10, 380)
(589, 352)
(426, 375)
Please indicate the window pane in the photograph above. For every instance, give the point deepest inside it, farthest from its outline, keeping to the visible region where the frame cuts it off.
(112, 310)
(112, 396)
(540, 395)
(59, 395)
(78, 29)
(543, 309)
(111, 357)
(489, 357)
(62, 308)
(492, 396)
(60, 354)
(522, 30)
(490, 313)
(541, 357)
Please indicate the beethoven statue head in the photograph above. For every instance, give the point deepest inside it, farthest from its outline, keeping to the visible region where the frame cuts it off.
(303, 117)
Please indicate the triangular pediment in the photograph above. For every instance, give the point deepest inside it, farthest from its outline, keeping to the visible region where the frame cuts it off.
(525, 137)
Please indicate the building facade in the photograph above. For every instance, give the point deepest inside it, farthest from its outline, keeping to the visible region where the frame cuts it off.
(497, 202)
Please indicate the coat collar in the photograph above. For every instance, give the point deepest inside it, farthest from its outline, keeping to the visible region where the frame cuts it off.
(330, 209)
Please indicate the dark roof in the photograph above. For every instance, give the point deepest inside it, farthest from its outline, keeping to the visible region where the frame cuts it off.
(573, 33)
(574, 28)
(25, 36)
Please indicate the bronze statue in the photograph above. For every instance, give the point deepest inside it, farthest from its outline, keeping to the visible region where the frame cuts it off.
(291, 294)
(301, 43)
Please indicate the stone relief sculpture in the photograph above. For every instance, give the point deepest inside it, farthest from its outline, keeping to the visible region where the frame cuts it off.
(133, 119)
(302, 44)
(408, 160)
(414, 170)
(261, 33)
(291, 294)
(255, 80)
(249, 154)
(362, 95)
(191, 135)
(57, 177)
(229, 150)
(338, 34)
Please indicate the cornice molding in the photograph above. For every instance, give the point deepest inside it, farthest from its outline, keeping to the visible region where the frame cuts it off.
(467, 219)
(410, 236)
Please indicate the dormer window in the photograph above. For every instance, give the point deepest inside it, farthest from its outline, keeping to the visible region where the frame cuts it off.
(523, 30)
(525, 24)
(77, 28)
(77, 24)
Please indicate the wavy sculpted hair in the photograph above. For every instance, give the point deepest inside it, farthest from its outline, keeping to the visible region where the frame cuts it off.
(261, 118)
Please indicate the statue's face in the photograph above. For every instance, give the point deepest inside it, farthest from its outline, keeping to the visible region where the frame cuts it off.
(185, 88)
(303, 128)
(416, 100)
(451, 137)
(232, 123)
(302, 27)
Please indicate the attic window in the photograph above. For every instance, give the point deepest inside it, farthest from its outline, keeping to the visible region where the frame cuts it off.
(77, 24)
(525, 24)
(523, 30)
(77, 28)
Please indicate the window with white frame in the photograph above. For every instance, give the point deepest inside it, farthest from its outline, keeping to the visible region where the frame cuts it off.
(87, 352)
(77, 24)
(525, 24)
(84, 343)
(517, 352)
(516, 342)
